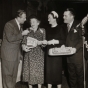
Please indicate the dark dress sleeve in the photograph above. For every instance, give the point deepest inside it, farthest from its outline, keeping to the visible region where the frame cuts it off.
(61, 37)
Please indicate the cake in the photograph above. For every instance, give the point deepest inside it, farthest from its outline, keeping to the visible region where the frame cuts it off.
(61, 51)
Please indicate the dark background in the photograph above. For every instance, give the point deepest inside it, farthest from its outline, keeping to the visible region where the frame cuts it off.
(41, 8)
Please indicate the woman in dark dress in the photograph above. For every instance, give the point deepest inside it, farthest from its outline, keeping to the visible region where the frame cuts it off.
(54, 63)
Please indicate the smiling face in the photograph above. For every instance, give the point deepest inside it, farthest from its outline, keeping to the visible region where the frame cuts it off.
(51, 19)
(68, 17)
(34, 23)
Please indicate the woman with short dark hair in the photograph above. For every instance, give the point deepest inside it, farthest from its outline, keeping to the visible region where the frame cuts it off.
(55, 38)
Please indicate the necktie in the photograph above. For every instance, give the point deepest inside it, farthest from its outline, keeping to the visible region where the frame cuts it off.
(68, 26)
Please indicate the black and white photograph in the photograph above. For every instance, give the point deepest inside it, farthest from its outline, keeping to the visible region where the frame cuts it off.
(43, 43)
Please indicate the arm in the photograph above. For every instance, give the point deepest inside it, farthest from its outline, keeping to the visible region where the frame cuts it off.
(10, 35)
(61, 38)
(43, 42)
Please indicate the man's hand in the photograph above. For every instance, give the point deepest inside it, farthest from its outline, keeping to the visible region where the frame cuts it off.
(25, 32)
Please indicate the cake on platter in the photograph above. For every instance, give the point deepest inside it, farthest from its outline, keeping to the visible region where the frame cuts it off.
(61, 51)
(31, 42)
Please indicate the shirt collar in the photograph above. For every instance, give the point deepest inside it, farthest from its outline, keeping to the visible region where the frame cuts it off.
(70, 24)
(17, 23)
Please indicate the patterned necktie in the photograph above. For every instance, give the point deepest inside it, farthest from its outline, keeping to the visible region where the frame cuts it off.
(68, 26)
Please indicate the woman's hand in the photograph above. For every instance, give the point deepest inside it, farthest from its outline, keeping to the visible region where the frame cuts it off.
(39, 42)
(44, 42)
(26, 48)
(53, 42)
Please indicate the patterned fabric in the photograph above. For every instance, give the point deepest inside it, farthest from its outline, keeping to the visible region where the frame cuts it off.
(33, 67)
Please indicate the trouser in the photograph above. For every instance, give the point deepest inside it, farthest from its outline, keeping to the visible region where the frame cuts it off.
(9, 73)
(76, 75)
(86, 74)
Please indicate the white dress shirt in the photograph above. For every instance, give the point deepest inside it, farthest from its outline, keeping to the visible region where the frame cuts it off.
(17, 23)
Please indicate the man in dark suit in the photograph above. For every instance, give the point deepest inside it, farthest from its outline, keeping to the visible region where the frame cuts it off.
(10, 49)
(74, 39)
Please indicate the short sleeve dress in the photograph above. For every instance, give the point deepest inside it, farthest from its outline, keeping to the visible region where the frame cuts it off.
(33, 66)
(54, 63)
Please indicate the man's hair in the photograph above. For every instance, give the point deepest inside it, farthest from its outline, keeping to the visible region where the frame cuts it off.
(71, 10)
(20, 12)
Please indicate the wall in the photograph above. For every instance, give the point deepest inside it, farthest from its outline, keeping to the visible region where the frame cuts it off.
(9, 7)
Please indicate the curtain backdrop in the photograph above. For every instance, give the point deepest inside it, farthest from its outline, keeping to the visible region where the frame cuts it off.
(40, 8)
(7, 11)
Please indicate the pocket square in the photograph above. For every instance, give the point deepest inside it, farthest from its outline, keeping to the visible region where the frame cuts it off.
(75, 30)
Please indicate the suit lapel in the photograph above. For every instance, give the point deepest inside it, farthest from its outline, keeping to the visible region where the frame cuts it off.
(66, 29)
(73, 25)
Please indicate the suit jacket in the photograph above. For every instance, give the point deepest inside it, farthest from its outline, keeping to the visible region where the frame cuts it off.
(74, 39)
(10, 49)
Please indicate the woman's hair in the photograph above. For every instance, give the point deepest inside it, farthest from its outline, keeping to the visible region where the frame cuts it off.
(54, 14)
(33, 17)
